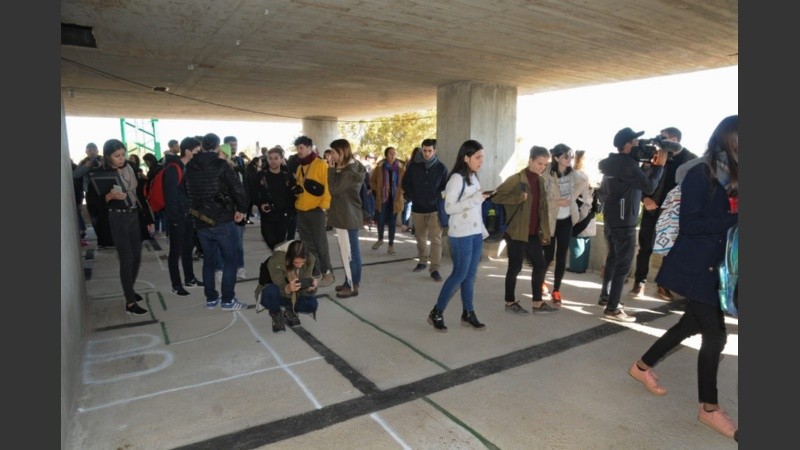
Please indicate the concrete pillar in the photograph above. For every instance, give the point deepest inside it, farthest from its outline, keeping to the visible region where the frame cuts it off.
(322, 130)
(481, 111)
(73, 290)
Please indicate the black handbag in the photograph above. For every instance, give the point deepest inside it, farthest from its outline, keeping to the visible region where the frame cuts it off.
(314, 188)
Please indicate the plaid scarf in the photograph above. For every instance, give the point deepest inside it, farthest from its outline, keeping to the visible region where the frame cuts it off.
(389, 187)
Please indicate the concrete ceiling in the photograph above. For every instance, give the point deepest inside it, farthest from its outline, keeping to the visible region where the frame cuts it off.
(356, 59)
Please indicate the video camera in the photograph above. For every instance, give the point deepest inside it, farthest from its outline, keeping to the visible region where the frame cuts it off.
(647, 148)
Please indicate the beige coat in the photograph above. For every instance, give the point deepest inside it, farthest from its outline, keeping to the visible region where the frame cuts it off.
(376, 185)
(580, 186)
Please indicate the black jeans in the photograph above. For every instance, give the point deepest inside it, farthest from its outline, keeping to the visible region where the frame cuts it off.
(181, 244)
(274, 229)
(557, 248)
(127, 239)
(516, 252)
(710, 322)
(647, 236)
(621, 242)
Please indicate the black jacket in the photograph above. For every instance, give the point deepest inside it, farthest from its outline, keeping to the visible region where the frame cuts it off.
(424, 186)
(622, 187)
(275, 189)
(176, 202)
(668, 179)
(214, 189)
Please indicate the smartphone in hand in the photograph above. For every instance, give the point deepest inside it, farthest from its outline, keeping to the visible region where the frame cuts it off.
(306, 283)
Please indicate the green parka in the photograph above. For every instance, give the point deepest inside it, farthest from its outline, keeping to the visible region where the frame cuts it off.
(518, 211)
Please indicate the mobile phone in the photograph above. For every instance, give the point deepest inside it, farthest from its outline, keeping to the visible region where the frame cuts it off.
(116, 188)
(306, 283)
(523, 187)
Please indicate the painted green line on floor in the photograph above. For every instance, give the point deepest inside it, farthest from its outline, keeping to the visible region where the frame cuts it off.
(463, 425)
(373, 325)
(164, 331)
(161, 298)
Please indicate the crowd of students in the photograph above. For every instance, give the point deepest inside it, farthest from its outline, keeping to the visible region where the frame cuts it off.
(549, 205)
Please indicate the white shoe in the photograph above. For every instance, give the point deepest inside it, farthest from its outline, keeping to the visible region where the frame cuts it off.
(241, 274)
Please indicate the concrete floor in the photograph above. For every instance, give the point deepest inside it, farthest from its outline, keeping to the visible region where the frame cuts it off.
(371, 373)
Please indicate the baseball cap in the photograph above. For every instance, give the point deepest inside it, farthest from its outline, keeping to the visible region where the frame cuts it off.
(624, 135)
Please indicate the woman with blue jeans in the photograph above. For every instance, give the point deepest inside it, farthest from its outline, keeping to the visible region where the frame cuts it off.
(463, 200)
(345, 216)
(385, 184)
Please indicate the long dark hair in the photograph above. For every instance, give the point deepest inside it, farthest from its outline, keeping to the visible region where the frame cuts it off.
(725, 138)
(468, 148)
(556, 152)
(297, 249)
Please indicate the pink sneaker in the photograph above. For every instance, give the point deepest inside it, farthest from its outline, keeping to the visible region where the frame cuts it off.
(718, 420)
(648, 378)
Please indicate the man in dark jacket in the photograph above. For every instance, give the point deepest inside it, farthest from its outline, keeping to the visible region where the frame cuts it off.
(218, 201)
(671, 138)
(180, 225)
(621, 192)
(423, 183)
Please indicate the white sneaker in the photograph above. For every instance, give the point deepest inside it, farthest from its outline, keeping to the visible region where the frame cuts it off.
(218, 278)
(241, 274)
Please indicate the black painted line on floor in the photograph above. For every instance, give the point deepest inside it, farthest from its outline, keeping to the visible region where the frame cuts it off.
(397, 338)
(360, 382)
(164, 332)
(125, 325)
(462, 424)
(300, 424)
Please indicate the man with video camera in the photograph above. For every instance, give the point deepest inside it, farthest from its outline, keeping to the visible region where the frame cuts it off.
(621, 193)
(670, 139)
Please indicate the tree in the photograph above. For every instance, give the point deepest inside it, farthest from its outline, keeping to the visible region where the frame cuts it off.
(401, 131)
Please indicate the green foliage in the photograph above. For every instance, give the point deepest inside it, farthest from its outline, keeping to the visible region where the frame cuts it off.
(401, 131)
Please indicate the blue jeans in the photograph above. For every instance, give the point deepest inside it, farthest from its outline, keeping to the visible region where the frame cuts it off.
(221, 240)
(272, 299)
(240, 247)
(355, 259)
(466, 253)
(387, 216)
(239, 251)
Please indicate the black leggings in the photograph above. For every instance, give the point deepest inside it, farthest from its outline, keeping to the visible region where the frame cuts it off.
(709, 321)
(516, 253)
(558, 246)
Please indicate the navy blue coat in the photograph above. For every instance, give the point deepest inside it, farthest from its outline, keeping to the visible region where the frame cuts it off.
(690, 268)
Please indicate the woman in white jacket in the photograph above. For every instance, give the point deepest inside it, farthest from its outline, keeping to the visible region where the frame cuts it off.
(463, 200)
(563, 186)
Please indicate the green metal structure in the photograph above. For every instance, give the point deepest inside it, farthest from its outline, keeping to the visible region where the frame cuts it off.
(140, 137)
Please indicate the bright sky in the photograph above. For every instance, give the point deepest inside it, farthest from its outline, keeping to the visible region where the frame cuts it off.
(583, 118)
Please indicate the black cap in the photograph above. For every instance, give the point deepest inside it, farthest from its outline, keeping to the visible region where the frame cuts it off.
(624, 135)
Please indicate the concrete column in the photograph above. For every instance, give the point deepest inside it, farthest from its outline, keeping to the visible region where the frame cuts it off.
(481, 111)
(73, 290)
(322, 130)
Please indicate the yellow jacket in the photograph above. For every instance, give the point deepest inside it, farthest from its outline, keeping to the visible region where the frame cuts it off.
(317, 171)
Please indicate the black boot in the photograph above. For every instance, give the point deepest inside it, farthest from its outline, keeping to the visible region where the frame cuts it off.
(470, 319)
(291, 317)
(277, 322)
(435, 318)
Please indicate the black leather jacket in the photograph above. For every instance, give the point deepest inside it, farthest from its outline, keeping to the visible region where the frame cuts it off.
(214, 189)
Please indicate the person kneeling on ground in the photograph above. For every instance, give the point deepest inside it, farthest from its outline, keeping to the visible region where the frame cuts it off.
(281, 285)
